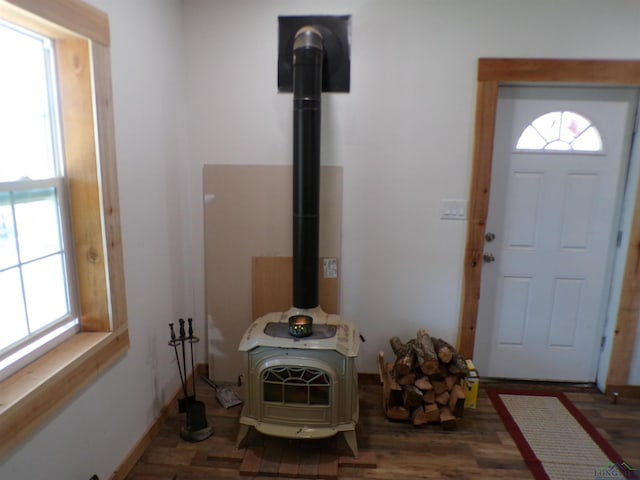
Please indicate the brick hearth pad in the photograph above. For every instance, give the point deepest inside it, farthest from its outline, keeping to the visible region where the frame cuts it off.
(276, 457)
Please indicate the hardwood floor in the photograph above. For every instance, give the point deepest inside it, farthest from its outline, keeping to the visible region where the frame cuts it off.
(480, 448)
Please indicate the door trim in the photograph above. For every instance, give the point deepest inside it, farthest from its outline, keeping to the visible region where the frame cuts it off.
(492, 73)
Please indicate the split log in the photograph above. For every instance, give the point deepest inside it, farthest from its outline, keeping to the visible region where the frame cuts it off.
(418, 416)
(405, 356)
(423, 384)
(451, 380)
(447, 420)
(425, 352)
(429, 397)
(412, 396)
(456, 401)
(442, 373)
(443, 350)
(458, 366)
(397, 413)
(439, 386)
(443, 399)
(432, 413)
(408, 379)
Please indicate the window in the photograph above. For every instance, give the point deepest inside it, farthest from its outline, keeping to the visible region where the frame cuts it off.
(74, 198)
(37, 303)
(563, 130)
(306, 386)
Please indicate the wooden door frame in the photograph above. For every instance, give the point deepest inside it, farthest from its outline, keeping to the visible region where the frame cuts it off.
(492, 73)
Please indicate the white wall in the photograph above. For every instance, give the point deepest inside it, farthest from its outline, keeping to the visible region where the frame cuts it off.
(403, 135)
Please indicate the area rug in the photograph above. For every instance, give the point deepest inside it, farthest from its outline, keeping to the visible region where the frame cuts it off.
(556, 441)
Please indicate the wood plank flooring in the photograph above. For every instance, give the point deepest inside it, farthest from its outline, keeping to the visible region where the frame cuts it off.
(480, 448)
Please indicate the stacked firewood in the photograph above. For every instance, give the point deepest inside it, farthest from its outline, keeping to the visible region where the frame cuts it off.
(425, 383)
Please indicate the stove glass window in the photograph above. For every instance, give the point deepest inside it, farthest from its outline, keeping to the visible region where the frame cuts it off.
(307, 386)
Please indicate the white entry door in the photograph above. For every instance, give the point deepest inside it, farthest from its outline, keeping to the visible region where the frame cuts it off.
(558, 175)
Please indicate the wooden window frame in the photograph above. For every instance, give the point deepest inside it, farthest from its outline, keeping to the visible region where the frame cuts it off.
(80, 34)
(492, 73)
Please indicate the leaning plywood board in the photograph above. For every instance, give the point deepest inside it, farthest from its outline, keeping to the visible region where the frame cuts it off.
(272, 286)
(248, 213)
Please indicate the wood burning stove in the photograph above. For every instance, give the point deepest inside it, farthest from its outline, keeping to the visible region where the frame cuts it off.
(301, 387)
(299, 366)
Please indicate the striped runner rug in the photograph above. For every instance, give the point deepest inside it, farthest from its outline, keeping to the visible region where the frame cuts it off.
(556, 441)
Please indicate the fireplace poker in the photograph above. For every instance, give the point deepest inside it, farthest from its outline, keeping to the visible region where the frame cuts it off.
(174, 344)
(191, 340)
(184, 356)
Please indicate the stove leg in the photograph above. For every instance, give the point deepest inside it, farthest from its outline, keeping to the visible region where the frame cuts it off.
(352, 441)
(242, 435)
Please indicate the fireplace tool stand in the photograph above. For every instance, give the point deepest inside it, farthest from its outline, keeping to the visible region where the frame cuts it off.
(195, 428)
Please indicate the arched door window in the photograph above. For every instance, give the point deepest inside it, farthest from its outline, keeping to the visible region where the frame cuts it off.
(560, 130)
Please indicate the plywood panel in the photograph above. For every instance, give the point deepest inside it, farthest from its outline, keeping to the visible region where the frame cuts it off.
(272, 286)
(248, 213)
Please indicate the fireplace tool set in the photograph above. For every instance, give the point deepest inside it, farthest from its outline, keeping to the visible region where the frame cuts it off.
(195, 428)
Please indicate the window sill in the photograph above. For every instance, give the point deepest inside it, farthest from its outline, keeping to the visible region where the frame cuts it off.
(32, 394)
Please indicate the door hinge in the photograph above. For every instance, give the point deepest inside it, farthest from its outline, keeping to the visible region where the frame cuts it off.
(619, 239)
(603, 340)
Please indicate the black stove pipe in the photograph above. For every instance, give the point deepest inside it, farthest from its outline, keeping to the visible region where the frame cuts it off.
(308, 53)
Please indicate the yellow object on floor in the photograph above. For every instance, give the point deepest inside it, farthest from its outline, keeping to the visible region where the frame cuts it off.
(471, 385)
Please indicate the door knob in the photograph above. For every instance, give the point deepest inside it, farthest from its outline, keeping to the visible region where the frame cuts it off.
(489, 236)
(489, 258)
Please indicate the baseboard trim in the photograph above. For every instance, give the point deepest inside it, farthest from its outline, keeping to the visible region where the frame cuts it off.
(369, 379)
(139, 448)
(624, 391)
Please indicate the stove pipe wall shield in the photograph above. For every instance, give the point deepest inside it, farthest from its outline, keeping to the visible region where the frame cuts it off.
(308, 53)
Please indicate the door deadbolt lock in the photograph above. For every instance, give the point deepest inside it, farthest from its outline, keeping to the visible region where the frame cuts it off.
(489, 236)
(489, 258)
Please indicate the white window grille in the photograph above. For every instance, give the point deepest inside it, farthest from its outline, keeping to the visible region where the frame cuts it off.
(560, 131)
(37, 299)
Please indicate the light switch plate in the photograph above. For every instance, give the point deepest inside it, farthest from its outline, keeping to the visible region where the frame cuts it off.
(453, 209)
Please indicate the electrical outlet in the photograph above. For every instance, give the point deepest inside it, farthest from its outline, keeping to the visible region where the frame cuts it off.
(452, 209)
(330, 267)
